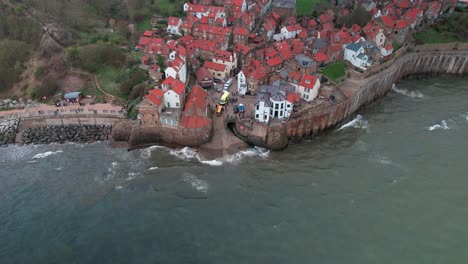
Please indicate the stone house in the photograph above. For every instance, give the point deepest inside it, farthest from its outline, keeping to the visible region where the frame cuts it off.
(204, 78)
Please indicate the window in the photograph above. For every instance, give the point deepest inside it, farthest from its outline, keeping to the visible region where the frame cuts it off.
(257, 116)
(258, 107)
(276, 106)
(177, 104)
(265, 117)
(219, 74)
(282, 105)
(281, 113)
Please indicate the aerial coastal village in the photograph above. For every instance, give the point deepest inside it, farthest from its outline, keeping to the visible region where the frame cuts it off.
(221, 75)
(255, 61)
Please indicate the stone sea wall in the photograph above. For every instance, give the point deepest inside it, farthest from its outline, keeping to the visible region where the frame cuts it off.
(69, 133)
(361, 91)
(8, 130)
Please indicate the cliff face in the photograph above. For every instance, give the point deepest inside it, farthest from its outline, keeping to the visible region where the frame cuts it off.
(360, 91)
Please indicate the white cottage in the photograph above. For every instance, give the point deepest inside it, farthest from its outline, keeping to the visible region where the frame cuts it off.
(308, 88)
(355, 54)
(173, 25)
(241, 83)
(272, 102)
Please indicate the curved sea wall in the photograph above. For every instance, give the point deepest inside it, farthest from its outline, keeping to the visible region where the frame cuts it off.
(357, 92)
(143, 136)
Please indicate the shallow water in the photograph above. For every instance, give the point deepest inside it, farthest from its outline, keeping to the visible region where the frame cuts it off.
(390, 186)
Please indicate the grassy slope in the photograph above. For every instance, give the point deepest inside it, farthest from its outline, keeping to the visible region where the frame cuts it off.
(335, 70)
(305, 7)
(430, 35)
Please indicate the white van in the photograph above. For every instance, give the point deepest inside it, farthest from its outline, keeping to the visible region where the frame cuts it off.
(227, 85)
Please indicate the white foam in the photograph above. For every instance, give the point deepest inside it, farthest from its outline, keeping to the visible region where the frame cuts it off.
(118, 187)
(466, 117)
(411, 94)
(58, 169)
(46, 154)
(358, 122)
(197, 184)
(132, 175)
(153, 168)
(443, 125)
(189, 154)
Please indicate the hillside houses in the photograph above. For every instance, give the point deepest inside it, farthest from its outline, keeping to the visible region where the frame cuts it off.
(260, 42)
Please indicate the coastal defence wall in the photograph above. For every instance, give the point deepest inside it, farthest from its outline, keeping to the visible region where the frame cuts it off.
(360, 91)
(176, 135)
(65, 128)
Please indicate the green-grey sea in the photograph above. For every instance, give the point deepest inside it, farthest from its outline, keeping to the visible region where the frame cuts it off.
(390, 186)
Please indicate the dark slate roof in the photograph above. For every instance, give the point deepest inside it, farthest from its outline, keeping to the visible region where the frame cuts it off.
(353, 46)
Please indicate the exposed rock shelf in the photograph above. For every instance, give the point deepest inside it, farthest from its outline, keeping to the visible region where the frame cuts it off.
(8, 130)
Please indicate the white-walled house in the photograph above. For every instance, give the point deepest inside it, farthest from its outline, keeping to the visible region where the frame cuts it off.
(355, 54)
(241, 83)
(387, 50)
(272, 102)
(227, 58)
(175, 96)
(177, 69)
(173, 25)
(291, 31)
(308, 88)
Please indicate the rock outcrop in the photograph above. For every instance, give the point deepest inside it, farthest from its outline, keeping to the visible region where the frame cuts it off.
(7, 104)
(62, 134)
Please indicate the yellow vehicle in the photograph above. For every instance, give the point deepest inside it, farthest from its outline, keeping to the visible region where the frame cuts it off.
(220, 109)
(224, 98)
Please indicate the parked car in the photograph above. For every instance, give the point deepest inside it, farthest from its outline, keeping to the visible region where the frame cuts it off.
(227, 85)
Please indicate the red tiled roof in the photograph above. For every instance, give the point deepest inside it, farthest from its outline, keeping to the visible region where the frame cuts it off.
(240, 31)
(194, 115)
(312, 23)
(202, 73)
(402, 3)
(148, 33)
(155, 96)
(355, 28)
(259, 73)
(388, 21)
(242, 48)
(215, 66)
(324, 18)
(303, 34)
(412, 14)
(270, 52)
(173, 21)
(294, 76)
(296, 27)
(400, 24)
(274, 61)
(169, 81)
(388, 47)
(293, 97)
(320, 57)
(308, 81)
(178, 87)
(356, 38)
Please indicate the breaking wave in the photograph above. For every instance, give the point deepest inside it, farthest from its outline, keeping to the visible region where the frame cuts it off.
(358, 122)
(153, 168)
(411, 94)
(189, 154)
(443, 125)
(196, 183)
(46, 154)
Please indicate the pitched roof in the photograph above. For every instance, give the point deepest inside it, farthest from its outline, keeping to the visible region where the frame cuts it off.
(173, 21)
(155, 96)
(240, 31)
(203, 73)
(293, 97)
(194, 115)
(178, 87)
(388, 21)
(168, 81)
(353, 47)
(215, 66)
(320, 56)
(400, 24)
(274, 61)
(308, 81)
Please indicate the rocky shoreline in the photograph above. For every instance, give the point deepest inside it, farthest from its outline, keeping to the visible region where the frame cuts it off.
(8, 130)
(10, 104)
(62, 134)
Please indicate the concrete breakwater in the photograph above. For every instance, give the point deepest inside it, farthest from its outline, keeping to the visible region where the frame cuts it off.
(69, 133)
(8, 130)
(356, 92)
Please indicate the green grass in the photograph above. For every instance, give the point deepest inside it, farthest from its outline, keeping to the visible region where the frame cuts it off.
(144, 25)
(305, 7)
(431, 35)
(334, 71)
(396, 46)
(107, 77)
